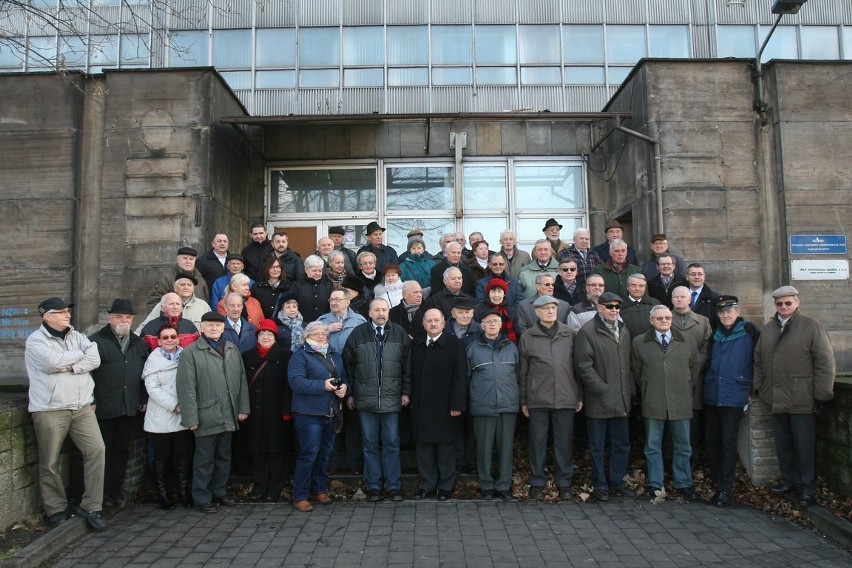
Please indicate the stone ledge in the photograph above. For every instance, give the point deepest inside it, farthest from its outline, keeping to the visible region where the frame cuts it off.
(832, 526)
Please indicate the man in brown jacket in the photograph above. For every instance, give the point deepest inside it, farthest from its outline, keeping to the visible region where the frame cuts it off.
(794, 374)
(602, 363)
(665, 364)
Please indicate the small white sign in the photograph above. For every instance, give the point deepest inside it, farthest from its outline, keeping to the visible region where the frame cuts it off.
(819, 269)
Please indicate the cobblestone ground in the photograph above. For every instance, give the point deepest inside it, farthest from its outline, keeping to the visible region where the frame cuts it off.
(471, 534)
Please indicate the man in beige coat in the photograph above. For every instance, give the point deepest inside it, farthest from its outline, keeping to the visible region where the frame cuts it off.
(794, 374)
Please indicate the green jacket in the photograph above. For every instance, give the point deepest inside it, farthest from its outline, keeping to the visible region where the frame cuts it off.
(616, 282)
(665, 378)
(526, 278)
(211, 390)
(546, 378)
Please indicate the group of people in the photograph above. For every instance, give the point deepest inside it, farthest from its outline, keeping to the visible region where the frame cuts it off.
(355, 354)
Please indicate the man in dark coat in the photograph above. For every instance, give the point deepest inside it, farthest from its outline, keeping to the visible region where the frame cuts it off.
(258, 247)
(185, 264)
(438, 398)
(212, 264)
(702, 299)
(384, 254)
(171, 311)
(409, 312)
(661, 286)
(291, 262)
(120, 394)
(452, 258)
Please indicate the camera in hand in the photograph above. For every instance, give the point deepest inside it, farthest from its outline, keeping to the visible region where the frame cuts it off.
(336, 382)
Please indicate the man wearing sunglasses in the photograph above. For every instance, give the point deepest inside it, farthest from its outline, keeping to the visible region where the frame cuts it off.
(566, 287)
(794, 374)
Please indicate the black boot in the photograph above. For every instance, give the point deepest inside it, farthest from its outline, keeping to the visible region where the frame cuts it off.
(182, 468)
(160, 486)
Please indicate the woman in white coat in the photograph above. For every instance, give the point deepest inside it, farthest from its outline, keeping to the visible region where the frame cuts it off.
(172, 443)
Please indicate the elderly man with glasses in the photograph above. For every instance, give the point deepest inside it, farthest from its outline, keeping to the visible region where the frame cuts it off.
(497, 269)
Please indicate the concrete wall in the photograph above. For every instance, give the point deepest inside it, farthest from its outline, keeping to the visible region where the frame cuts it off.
(834, 458)
(19, 495)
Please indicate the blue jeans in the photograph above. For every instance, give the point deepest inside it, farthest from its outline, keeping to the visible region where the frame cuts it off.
(316, 442)
(384, 462)
(616, 431)
(682, 450)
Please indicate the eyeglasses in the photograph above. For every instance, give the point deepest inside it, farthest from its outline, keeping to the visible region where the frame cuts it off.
(612, 306)
(788, 303)
(498, 264)
(337, 299)
(165, 337)
(663, 318)
(568, 269)
(546, 284)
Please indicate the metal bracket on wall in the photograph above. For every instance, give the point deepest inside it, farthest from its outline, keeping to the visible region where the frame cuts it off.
(458, 141)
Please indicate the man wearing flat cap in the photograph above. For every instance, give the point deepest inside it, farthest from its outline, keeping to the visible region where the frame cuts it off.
(234, 264)
(120, 395)
(794, 374)
(614, 231)
(384, 253)
(185, 264)
(659, 247)
(213, 395)
(336, 234)
(551, 233)
(59, 363)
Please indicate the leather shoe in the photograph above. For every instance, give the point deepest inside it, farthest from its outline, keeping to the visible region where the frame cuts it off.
(208, 508)
(781, 489)
(444, 495)
(485, 494)
(622, 491)
(807, 500)
(504, 495)
(57, 519)
(373, 495)
(421, 494)
(225, 501)
(650, 492)
(565, 493)
(94, 518)
(688, 493)
(321, 498)
(601, 495)
(722, 499)
(536, 494)
(395, 495)
(303, 506)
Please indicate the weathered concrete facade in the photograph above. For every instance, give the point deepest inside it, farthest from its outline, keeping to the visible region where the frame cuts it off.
(102, 179)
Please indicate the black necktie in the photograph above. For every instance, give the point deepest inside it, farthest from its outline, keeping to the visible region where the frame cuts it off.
(379, 344)
(429, 342)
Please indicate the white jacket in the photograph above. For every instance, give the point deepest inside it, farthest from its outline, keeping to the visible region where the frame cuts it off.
(48, 359)
(159, 375)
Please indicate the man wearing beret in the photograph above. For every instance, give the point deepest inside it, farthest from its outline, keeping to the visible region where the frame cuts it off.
(185, 264)
(120, 395)
(213, 396)
(59, 363)
(794, 374)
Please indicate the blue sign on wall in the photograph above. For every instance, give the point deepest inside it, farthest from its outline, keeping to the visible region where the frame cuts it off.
(817, 244)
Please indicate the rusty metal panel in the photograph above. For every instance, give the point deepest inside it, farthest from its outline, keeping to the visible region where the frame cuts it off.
(451, 12)
(407, 12)
(494, 12)
(188, 15)
(626, 12)
(362, 12)
(279, 14)
(401, 100)
(231, 14)
(543, 98)
(362, 100)
(538, 12)
(496, 99)
(319, 13)
(452, 99)
(583, 12)
(668, 11)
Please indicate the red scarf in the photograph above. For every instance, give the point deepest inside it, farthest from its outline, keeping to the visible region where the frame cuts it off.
(263, 351)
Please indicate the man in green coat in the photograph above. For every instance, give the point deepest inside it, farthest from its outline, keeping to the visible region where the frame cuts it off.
(213, 398)
(665, 363)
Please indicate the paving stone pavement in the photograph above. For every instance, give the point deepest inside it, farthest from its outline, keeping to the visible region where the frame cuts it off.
(471, 534)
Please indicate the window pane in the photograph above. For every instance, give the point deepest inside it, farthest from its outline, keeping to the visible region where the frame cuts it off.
(103, 52)
(408, 45)
(549, 186)
(433, 230)
(363, 77)
(541, 76)
(490, 227)
(134, 49)
(450, 45)
(617, 75)
(73, 50)
(820, 42)
(362, 46)
(735, 41)
(237, 79)
(538, 44)
(420, 187)
(275, 79)
(625, 44)
(847, 42)
(583, 44)
(485, 187)
(584, 76)
(232, 49)
(188, 49)
(783, 44)
(275, 48)
(406, 77)
(496, 76)
(319, 78)
(529, 229)
(669, 41)
(451, 76)
(42, 52)
(319, 47)
(323, 190)
(495, 45)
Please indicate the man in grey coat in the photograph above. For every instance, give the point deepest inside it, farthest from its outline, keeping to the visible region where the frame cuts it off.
(602, 363)
(550, 395)
(213, 397)
(665, 364)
